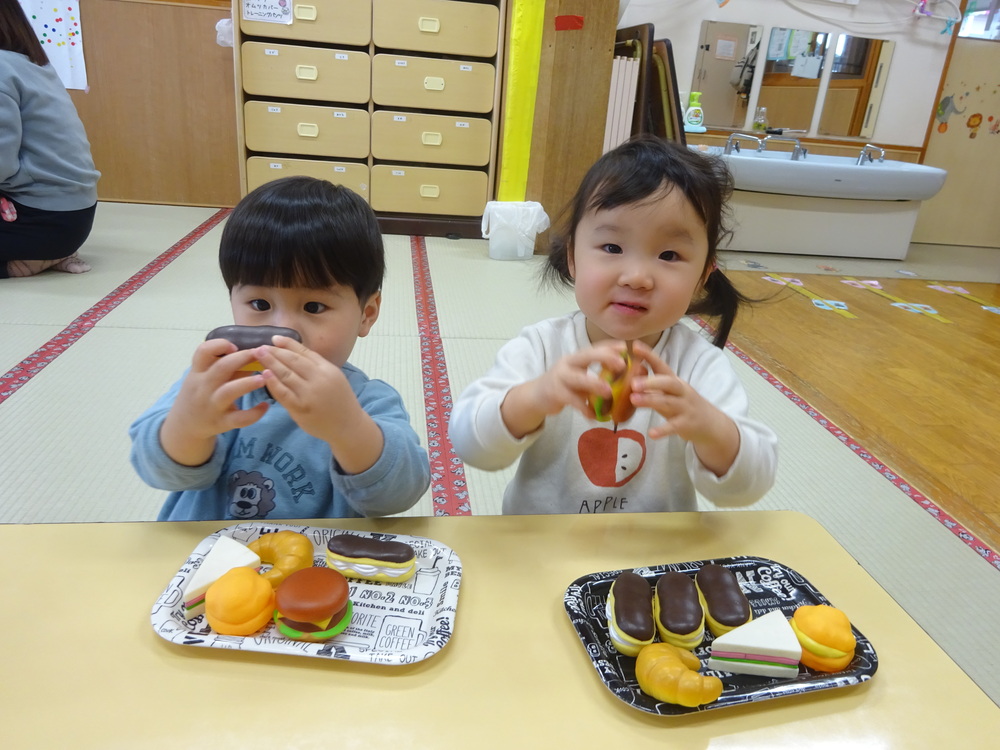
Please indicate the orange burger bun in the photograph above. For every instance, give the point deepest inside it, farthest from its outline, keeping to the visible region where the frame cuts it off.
(240, 602)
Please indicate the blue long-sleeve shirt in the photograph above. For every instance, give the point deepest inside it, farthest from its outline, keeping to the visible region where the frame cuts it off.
(273, 469)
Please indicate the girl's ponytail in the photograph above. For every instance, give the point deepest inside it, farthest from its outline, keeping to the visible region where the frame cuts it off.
(721, 300)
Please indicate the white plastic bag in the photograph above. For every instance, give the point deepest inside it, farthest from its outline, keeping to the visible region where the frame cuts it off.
(511, 226)
(224, 32)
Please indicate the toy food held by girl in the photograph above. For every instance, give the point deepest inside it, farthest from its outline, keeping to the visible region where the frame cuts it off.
(825, 634)
(225, 554)
(312, 604)
(726, 606)
(630, 613)
(765, 646)
(286, 551)
(671, 674)
(250, 337)
(240, 602)
(677, 610)
(371, 559)
(619, 407)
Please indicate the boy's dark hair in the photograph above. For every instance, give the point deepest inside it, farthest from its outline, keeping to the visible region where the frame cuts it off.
(638, 169)
(17, 35)
(300, 231)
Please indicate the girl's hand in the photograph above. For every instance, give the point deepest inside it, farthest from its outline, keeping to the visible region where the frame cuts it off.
(571, 382)
(205, 406)
(319, 398)
(714, 435)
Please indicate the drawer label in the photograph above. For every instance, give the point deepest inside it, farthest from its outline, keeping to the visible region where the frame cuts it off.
(340, 169)
(276, 165)
(276, 110)
(399, 118)
(340, 114)
(341, 56)
(461, 124)
(400, 63)
(272, 52)
(399, 173)
(465, 67)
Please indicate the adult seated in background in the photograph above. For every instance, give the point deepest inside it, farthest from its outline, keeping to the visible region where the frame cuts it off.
(48, 183)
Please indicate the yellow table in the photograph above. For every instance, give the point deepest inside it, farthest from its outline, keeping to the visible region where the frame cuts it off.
(82, 667)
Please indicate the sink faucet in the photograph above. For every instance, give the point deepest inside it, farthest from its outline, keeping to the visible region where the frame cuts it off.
(868, 150)
(733, 142)
(797, 151)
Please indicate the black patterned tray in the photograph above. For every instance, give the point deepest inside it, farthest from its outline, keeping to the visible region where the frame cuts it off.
(767, 584)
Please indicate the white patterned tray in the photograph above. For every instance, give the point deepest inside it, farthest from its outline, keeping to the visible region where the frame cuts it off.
(393, 623)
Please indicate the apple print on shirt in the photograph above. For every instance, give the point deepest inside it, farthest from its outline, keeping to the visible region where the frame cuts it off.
(610, 458)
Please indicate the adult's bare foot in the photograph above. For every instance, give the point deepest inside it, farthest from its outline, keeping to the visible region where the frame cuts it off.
(71, 264)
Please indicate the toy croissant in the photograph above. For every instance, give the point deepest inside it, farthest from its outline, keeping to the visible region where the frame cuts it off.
(670, 674)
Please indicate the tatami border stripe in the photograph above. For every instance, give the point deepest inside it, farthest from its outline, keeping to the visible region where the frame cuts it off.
(947, 521)
(19, 375)
(448, 486)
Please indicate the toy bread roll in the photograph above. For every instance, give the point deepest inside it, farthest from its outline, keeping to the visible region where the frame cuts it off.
(726, 606)
(630, 613)
(619, 407)
(371, 559)
(826, 637)
(250, 337)
(240, 602)
(677, 610)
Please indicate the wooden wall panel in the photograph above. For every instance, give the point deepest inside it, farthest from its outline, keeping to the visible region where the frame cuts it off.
(161, 109)
(572, 102)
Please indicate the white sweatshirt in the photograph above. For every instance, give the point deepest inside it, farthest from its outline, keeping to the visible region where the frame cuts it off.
(575, 465)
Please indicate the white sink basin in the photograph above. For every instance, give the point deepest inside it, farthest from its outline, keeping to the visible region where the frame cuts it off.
(833, 176)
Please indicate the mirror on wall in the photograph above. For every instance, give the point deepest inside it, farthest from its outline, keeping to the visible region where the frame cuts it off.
(724, 71)
(793, 64)
(857, 79)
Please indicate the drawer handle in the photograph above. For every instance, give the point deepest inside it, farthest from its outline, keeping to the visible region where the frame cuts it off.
(430, 25)
(430, 191)
(306, 72)
(307, 129)
(429, 138)
(305, 12)
(434, 83)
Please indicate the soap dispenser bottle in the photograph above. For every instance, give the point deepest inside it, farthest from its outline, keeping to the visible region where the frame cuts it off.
(694, 117)
(760, 120)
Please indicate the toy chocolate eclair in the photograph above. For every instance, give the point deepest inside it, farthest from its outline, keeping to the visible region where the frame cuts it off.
(726, 606)
(630, 613)
(371, 559)
(250, 337)
(678, 612)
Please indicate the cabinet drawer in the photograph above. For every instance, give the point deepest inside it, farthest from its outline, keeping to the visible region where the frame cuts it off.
(330, 21)
(448, 28)
(261, 169)
(438, 139)
(427, 83)
(426, 190)
(306, 129)
(305, 72)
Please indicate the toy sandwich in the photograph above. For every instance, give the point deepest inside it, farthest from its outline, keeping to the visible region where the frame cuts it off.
(765, 646)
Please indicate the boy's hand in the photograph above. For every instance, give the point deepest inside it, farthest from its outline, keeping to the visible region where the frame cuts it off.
(571, 382)
(715, 437)
(205, 406)
(319, 398)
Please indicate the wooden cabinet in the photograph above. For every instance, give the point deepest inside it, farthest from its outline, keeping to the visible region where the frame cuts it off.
(397, 99)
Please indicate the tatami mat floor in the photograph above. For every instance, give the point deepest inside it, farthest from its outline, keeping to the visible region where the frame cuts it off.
(63, 422)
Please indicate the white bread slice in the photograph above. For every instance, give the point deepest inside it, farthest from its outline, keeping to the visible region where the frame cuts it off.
(225, 555)
(765, 646)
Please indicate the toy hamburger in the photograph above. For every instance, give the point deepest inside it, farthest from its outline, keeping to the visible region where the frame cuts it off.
(312, 604)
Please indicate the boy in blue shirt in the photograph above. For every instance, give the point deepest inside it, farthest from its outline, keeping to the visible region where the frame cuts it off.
(309, 436)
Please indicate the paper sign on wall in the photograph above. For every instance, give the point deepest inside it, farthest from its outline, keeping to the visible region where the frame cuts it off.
(268, 11)
(806, 66)
(57, 25)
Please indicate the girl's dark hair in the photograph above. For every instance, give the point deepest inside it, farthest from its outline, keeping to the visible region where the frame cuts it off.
(642, 167)
(16, 34)
(300, 231)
